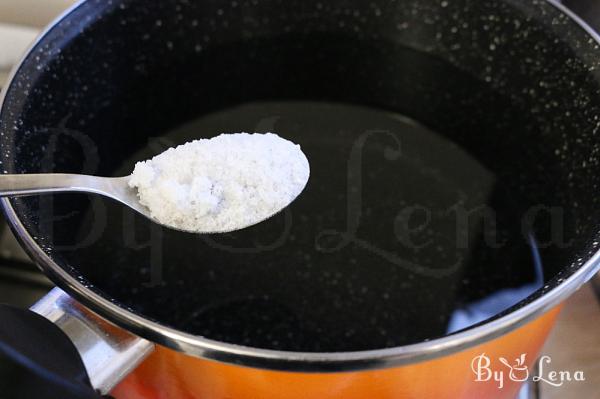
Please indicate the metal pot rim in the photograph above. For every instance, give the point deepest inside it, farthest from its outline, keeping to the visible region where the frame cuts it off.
(287, 360)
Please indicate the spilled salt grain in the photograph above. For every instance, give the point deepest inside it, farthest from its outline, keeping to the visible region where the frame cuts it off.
(221, 184)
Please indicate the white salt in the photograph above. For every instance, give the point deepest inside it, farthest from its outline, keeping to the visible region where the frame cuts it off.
(221, 184)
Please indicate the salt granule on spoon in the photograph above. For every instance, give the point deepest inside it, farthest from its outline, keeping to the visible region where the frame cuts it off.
(221, 184)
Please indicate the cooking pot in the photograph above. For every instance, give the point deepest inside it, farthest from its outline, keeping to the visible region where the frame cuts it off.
(514, 83)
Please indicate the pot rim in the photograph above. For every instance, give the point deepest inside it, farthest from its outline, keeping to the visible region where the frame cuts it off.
(289, 360)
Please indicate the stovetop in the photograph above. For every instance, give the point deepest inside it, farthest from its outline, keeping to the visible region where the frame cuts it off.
(21, 282)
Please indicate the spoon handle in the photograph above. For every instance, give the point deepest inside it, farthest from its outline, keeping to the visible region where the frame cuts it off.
(29, 184)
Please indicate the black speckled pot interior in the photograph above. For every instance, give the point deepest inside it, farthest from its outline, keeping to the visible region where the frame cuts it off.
(112, 76)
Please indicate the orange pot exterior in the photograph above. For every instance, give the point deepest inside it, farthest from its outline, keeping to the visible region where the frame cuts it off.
(167, 374)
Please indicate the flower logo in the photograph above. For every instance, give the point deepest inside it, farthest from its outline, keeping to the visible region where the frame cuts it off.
(519, 371)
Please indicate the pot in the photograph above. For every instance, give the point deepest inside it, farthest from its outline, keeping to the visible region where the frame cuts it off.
(513, 84)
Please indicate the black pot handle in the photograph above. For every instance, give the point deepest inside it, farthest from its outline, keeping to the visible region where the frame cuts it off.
(65, 350)
(109, 353)
(38, 360)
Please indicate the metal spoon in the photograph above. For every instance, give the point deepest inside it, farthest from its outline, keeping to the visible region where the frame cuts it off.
(44, 183)
(116, 188)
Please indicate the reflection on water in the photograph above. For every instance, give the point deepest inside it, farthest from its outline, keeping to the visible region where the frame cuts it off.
(492, 305)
